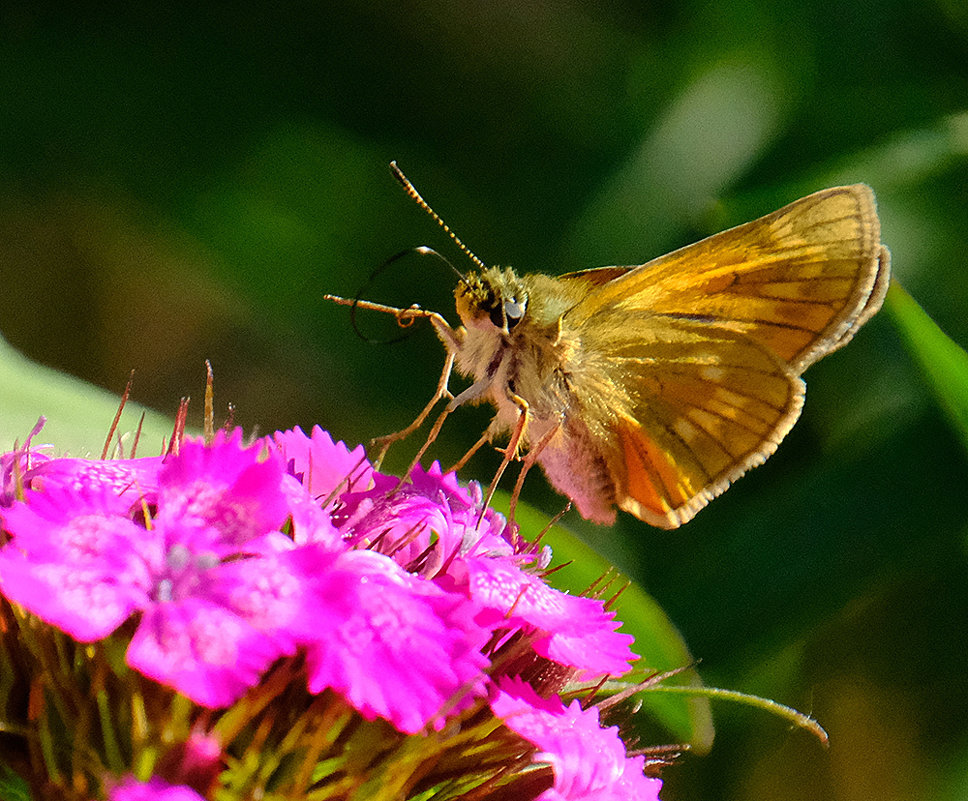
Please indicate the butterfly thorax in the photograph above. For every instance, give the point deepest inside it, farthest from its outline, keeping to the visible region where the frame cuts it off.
(513, 340)
(517, 345)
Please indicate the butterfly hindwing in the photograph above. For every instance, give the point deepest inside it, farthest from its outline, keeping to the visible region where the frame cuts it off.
(695, 410)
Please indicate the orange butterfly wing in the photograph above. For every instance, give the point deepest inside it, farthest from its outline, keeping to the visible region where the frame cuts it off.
(706, 345)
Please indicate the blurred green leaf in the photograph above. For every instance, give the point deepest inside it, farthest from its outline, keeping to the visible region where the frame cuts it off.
(78, 414)
(943, 362)
(657, 641)
(12, 787)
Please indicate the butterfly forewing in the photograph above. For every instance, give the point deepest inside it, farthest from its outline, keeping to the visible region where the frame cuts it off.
(794, 281)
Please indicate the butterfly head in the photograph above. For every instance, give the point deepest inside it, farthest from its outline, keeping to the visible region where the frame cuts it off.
(492, 297)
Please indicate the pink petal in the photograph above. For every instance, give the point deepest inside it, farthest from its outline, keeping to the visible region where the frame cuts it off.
(82, 601)
(154, 790)
(578, 632)
(226, 486)
(325, 467)
(396, 646)
(202, 650)
(589, 762)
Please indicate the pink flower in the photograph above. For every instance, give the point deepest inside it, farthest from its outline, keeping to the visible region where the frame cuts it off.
(570, 630)
(154, 790)
(213, 643)
(408, 602)
(325, 468)
(425, 523)
(589, 762)
(395, 645)
(214, 615)
(392, 590)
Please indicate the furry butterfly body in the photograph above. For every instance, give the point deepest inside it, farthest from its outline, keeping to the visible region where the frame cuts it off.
(651, 388)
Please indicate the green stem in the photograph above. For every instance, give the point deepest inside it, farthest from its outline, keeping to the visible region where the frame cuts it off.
(787, 712)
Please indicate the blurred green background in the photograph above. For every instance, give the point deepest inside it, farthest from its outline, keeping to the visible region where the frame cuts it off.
(177, 185)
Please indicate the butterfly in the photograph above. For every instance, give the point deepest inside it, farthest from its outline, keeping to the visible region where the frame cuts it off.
(652, 388)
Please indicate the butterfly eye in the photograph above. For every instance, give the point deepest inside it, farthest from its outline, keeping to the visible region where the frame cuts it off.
(514, 311)
(497, 316)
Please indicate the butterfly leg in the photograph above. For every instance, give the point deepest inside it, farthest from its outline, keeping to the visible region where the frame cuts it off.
(472, 392)
(511, 451)
(441, 392)
(451, 340)
(528, 463)
(485, 438)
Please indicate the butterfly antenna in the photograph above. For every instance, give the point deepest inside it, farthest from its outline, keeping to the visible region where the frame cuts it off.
(415, 196)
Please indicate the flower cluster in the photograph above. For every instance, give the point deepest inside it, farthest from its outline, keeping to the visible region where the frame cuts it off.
(285, 594)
